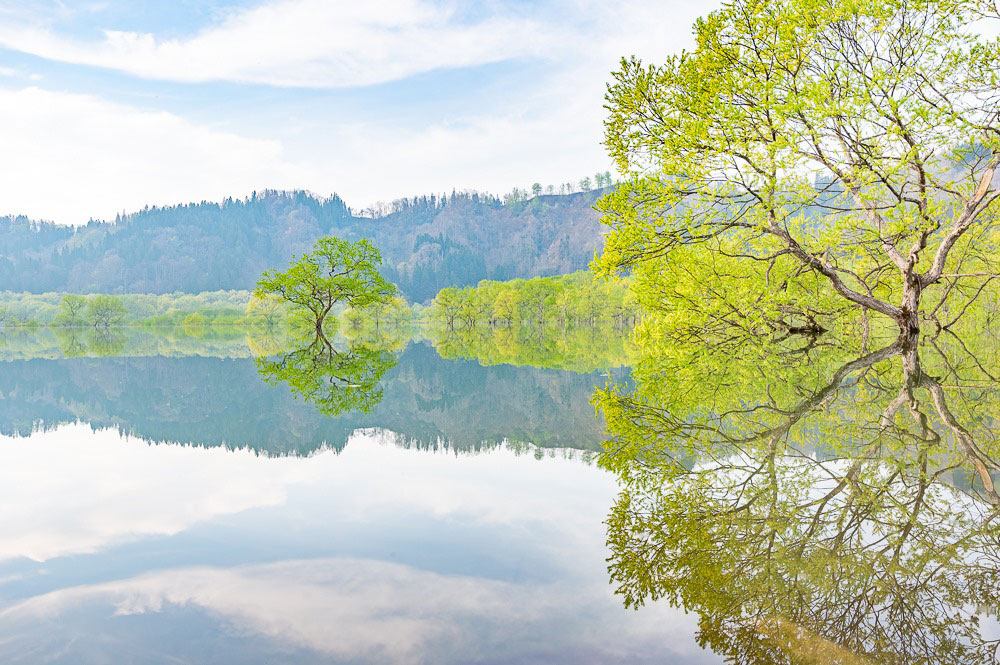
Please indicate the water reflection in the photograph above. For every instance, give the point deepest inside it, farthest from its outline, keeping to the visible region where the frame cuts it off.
(313, 505)
(333, 380)
(102, 342)
(810, 502)
(72, 490)
(156, 554)
(222, 401)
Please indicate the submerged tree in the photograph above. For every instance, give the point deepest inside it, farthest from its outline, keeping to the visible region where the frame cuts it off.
(267, 310)
(105, 310)
(71, 312)
(809, 156)
(335, 271)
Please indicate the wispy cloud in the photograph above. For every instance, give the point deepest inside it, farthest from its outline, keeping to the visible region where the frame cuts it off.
(304, 43)
(537, 119)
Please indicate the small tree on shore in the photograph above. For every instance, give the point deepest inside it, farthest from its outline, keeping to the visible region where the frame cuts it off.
(267, 310)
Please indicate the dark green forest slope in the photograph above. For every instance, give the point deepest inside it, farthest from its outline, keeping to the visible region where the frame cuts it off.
(428, 243)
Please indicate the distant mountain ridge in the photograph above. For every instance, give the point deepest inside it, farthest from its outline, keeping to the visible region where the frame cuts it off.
(427, 243)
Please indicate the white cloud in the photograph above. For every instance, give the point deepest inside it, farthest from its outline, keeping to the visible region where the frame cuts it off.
(309, 43)
(72, 157)
(71, 491)
(548, 130)
(323, 44)
(68, 157)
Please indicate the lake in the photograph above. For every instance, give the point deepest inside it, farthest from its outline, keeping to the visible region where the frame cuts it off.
(201, 501)
(179, 509)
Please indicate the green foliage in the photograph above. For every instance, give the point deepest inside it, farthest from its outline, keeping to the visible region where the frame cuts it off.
(335, 272)
(104, 310)
(102, 341)
(219, 308)
(139, 341)
(573, 322)
(581, 349)
(393, 312)
(805, 158)
(194, 324)
(208, 393)
(565, 300)
(809, 498)
(268, 311)
(334, 381)
(72, 311)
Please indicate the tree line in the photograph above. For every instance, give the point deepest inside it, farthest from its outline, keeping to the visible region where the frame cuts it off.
(564, 301)
(575, 299)
(68, 310)
(516, 195)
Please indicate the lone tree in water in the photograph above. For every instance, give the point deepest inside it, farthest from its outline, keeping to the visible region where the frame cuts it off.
(335, 271)
(105, 310)
(807, 158)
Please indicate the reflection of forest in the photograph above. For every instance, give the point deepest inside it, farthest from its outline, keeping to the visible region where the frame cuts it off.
(90, 342)
(814, 503)
(208, 401)
(574, 348)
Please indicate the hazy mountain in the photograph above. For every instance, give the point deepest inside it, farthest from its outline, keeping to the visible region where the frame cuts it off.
(427, 243)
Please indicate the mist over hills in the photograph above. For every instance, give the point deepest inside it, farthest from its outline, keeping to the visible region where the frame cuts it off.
(427, 242)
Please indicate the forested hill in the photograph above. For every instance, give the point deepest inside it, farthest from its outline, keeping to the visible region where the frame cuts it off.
(428, 243)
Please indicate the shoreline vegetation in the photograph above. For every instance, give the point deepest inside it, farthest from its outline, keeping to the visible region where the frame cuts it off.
(577, 350)
(576, 322)
(562, 301)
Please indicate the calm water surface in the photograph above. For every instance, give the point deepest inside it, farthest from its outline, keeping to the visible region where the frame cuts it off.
(162, 510)
(803, 501)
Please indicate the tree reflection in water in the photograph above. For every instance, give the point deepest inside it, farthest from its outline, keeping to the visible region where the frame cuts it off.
(333, 380)
(812, 504)
(98, 342)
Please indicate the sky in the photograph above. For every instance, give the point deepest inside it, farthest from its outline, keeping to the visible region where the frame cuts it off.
(109, 106)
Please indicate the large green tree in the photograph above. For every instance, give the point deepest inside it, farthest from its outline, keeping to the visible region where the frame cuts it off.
(809, 157)
(335, 271)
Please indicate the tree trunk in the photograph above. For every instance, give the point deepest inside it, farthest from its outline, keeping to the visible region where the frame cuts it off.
(908, 319)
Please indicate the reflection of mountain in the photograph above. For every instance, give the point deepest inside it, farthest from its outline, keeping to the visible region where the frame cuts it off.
(208, 401)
